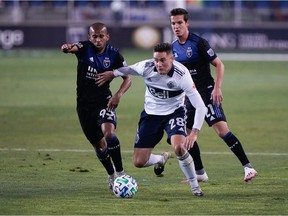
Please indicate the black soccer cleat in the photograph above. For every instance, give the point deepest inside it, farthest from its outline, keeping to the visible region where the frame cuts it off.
(159, 168)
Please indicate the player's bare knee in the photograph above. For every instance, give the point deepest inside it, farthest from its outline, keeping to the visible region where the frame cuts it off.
(178, 149)
(138, 163)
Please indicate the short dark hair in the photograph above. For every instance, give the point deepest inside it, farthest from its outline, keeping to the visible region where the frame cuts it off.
(97, 25)
(180, 11)
(163, 47)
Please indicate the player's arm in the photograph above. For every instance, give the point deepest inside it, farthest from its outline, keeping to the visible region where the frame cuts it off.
(136, 69)
(201, 110)
(210, 56)
(216, 95)
(115, 99)
(69, 48)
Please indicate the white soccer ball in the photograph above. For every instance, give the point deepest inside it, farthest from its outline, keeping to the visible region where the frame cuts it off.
(125, 186)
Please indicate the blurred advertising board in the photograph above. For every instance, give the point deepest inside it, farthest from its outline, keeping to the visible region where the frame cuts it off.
(145, 37)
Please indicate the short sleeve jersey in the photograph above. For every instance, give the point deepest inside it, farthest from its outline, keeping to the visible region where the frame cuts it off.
(196, 54)
(89, 65)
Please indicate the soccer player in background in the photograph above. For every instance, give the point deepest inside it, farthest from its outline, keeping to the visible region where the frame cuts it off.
(197, 55)
(96, 105)
(167, 83)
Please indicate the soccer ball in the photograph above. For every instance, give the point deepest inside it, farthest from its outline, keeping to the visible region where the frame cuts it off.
(125, 186)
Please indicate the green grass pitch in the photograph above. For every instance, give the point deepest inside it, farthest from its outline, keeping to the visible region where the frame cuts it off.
(47, 167)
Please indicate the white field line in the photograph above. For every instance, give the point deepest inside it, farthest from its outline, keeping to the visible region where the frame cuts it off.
(85, 150)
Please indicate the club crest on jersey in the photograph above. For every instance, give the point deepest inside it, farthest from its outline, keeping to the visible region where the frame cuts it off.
(189, 52)
(171, 84)
(210, 52)
(106, 63)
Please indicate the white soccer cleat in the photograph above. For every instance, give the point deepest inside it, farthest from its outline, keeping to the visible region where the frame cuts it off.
(196, 191)
(250, 173)
(203, 177)
(200, 178)
(111, 179)
(159, 168)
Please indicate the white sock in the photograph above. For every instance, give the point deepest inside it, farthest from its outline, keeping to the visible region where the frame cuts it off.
(186, 164)
(154, 159)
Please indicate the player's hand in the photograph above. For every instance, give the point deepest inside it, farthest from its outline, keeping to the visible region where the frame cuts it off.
(113, 102)
(102, 78)
(217, 96)
(191, 138)
(67, 47)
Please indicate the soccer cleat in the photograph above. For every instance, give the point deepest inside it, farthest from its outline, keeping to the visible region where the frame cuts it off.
(197, 191)
(200, 178)
(203, 177)
(250, 173)
(159, 168)
(111, 179)
(118, 174)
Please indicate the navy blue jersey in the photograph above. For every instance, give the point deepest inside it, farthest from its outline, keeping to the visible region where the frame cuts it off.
(89, 65)
(196, 54)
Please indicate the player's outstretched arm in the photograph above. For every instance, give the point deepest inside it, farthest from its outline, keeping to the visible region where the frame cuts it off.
(104, 77)
(69, 48)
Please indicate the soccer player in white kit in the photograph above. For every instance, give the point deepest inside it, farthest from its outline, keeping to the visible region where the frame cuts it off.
(167, 82)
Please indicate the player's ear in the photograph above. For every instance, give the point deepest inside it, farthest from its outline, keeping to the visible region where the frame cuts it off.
(108, 36)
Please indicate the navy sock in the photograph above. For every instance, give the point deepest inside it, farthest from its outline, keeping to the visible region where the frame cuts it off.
(236, 147)
(196, 155)
(105, 159)
(115, 153)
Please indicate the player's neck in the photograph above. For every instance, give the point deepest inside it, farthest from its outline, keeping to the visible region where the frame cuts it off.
(183, 38)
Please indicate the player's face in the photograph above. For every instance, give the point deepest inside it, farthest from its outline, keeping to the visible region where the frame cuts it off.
(163, 62)
(99, 38)
(178, 25)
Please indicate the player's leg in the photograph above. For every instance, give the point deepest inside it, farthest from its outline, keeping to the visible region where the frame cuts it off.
(175, 128)
(93, 132)
(186, 163)
(195, 150)
(149, 133)
(222, 130)
(114, 147)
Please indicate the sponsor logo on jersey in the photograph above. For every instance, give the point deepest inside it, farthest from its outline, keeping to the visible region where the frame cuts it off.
(159, 93)
(91, 59)
(210, 52)
(91, 73)
(175, 55)
(106, 62)
(163, 94)
(189, 52)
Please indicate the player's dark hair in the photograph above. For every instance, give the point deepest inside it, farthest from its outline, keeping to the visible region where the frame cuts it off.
(98, 25)
(180, 11)
(163, 47)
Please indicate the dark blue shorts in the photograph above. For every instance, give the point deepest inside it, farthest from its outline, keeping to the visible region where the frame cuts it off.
(151, 128)
(92, 119)
(214, 114)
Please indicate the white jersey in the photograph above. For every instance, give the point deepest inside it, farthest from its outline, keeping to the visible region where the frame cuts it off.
(165, 93)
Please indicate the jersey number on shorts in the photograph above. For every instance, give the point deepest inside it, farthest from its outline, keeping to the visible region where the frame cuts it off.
(178, 121)
(109, 114)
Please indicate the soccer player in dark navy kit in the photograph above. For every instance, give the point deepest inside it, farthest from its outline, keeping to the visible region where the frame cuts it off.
(96, 105)
(197, 55)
